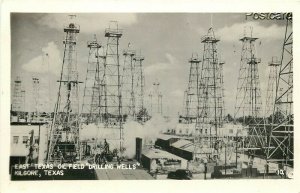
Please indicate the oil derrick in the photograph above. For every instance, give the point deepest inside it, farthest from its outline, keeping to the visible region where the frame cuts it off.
(150, 103)
(210, 88)
(281, 139)
(128, 84)
(221, 101)
(191, 102)
(140, 84)
(160, 104)
(64, 133)
(248, 106)
(184, 111)
(18, 101)
(112, 103)
(273, 76)
(248, 99)
(48, 103)
(156, 104)
(93, 87)
(210, 107)
(36, 98)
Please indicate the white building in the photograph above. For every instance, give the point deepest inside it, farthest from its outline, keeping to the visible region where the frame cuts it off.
(158, 160)
(20, 141)
(228, 129)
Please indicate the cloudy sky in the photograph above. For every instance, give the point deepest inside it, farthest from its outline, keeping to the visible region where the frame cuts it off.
(167, 40)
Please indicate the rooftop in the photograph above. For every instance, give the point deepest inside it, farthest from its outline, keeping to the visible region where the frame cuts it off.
(157, 153)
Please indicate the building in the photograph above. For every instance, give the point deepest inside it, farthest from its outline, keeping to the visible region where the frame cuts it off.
(157, 160)
(165, 141)
(21, 134)
(233, 130)
(183, 148)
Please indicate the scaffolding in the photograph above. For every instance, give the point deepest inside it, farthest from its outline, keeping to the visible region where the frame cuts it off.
(64, 133)
(128, 84)
(91, 110)
(281, 138)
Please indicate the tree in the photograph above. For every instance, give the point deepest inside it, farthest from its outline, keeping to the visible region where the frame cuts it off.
(229, 118)
(142, 114)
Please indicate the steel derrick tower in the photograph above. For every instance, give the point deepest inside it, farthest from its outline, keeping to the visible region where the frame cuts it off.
(248, 104)
(36, 98)
(281, 138)
(191, 102)
(271, 89)
(128, 84)
(156, 99)
(64, 133)
(211, 102)
(210, 108)
(93, 83)
(111, 95)
(18, 100)
(140, 84)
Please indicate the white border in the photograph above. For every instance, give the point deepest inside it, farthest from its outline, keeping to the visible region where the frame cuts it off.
(138, 6)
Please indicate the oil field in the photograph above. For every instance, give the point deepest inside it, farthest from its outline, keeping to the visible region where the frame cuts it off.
(151, 96)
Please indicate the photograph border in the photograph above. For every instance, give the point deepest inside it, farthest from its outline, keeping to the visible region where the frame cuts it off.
(241, 185)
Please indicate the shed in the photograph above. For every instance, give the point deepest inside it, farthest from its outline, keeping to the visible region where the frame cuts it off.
(183, 148)
(163, 161)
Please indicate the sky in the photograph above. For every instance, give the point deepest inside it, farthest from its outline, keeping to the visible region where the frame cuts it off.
(166, 40)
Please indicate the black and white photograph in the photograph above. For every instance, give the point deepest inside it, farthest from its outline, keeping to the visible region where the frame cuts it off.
(151, 96)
